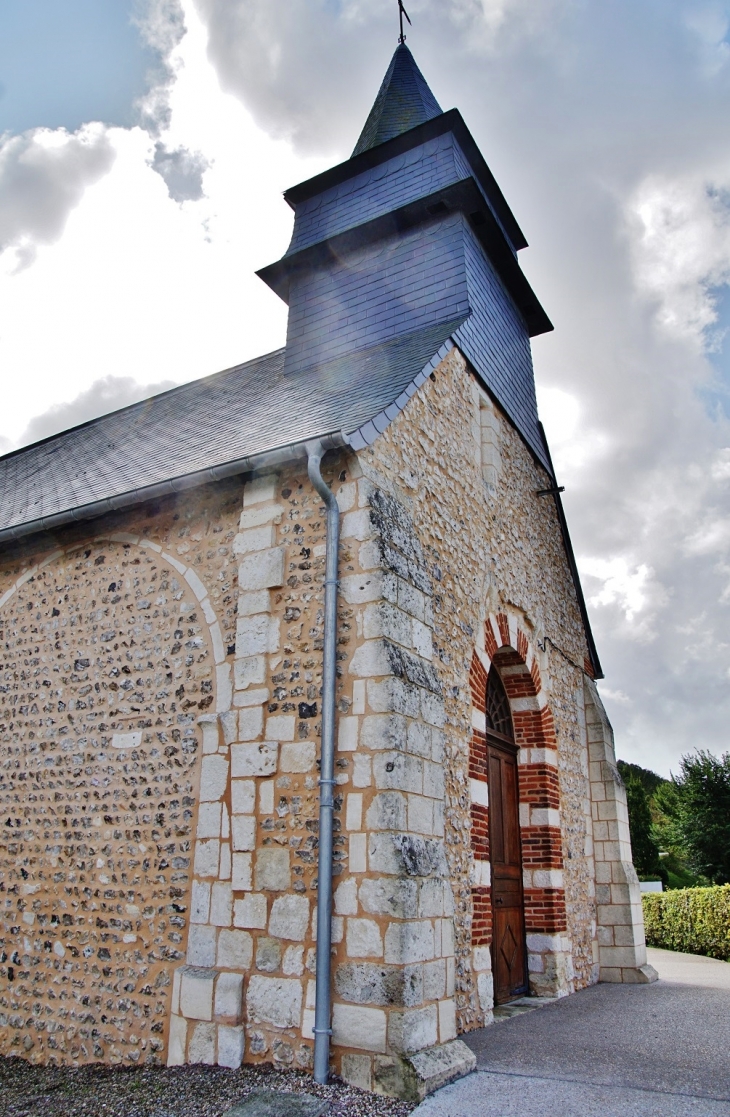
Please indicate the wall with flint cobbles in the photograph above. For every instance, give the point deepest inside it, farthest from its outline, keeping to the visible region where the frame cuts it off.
(108, 651)
(500, 580)
(160, 713)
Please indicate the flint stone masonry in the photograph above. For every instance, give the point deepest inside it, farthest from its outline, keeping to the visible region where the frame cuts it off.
(250, 911)
(108, 659)
(201, 1048)
(228, 998)
(213, 778)
(273, 870)
(196, 993)
(268, 955)
(201, 946)
(161, 684)
(289, 917)
(621, 942)
(488, 523)
(257, 635)
(235, 951)
(363, 1028)
(230, 1047)
(375, 984)
(254, 759)
(226, 883)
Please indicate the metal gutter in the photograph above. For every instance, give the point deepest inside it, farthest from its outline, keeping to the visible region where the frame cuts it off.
(183, 483)
(323, 1002)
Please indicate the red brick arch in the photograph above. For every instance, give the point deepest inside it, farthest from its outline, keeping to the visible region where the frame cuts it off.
(509, 648)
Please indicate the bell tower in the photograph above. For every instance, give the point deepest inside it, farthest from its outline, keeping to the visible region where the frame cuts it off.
(411, 234)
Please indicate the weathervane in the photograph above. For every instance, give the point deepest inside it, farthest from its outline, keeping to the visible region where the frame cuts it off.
(402, 12)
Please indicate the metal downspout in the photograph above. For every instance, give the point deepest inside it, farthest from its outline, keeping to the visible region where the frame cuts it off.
(322, 1012)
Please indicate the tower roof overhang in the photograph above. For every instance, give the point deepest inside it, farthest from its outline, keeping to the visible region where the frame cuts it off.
(463, 196)
(451, 121)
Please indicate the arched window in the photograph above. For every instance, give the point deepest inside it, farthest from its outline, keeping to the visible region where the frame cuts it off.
(499, 718)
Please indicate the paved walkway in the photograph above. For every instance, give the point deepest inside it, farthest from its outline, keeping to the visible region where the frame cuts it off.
(656, 1050)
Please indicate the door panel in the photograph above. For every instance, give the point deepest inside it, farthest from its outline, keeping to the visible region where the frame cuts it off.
(508, 917)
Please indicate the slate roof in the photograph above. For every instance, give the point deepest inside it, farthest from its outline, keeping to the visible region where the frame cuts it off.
(233, 416)
(403, 102)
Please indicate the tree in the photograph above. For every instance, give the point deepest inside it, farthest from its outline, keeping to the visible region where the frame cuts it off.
(644, 846)
(665, 811)
(651, 780)
(703, 814)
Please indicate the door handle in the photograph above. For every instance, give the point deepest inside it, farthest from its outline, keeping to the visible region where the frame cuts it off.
(498, 900)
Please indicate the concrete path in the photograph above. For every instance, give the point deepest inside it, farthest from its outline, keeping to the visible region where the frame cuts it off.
(658, 1050)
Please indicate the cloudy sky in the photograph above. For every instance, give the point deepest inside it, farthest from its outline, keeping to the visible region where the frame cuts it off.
(144, 148)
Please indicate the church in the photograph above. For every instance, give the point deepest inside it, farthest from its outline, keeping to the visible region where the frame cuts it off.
(302, 758)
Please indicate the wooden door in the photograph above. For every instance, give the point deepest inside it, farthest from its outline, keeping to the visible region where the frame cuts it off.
(508, 916)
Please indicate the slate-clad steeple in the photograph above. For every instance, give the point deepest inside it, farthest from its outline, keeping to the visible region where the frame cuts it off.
(411, 238)
(404, 101)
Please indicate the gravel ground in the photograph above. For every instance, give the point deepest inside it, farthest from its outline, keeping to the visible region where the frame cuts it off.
(98, 1091)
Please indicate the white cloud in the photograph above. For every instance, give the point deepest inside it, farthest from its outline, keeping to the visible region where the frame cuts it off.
(632, 588)
(615, 696)
(484, 24)
(710, 22)
(720, 468)
(680, 235)
(143, 285)
(162, 24)
(309, 70)
(712, 536)
(603, 124)
(105, 395)
(560, 412)
(574, 444)
(261, 50)
(43, 177)
(182, 172)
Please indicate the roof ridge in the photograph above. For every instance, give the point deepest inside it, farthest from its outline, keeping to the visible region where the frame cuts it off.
(138, 404)
(203, 430)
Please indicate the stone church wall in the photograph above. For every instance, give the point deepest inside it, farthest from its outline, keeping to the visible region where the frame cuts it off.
(160, 714)
(393, 973)
(468, 485)
(107, 661)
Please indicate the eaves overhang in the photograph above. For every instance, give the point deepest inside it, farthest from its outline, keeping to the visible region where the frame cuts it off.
(464, 197)
(119, 502)
(595, 663)
(451, 121)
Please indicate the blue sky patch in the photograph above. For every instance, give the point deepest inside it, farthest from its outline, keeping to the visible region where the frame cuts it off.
(64, 63)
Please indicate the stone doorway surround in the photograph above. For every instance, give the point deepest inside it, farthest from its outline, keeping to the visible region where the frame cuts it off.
(548, 944)
(619, 946)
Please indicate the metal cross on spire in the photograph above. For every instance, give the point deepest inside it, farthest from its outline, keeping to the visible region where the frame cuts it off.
(402, 12)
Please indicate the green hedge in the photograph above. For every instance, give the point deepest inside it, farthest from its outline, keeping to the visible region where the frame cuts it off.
(691, 920)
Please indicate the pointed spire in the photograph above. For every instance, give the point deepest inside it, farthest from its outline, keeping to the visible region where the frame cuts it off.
(404, 101)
